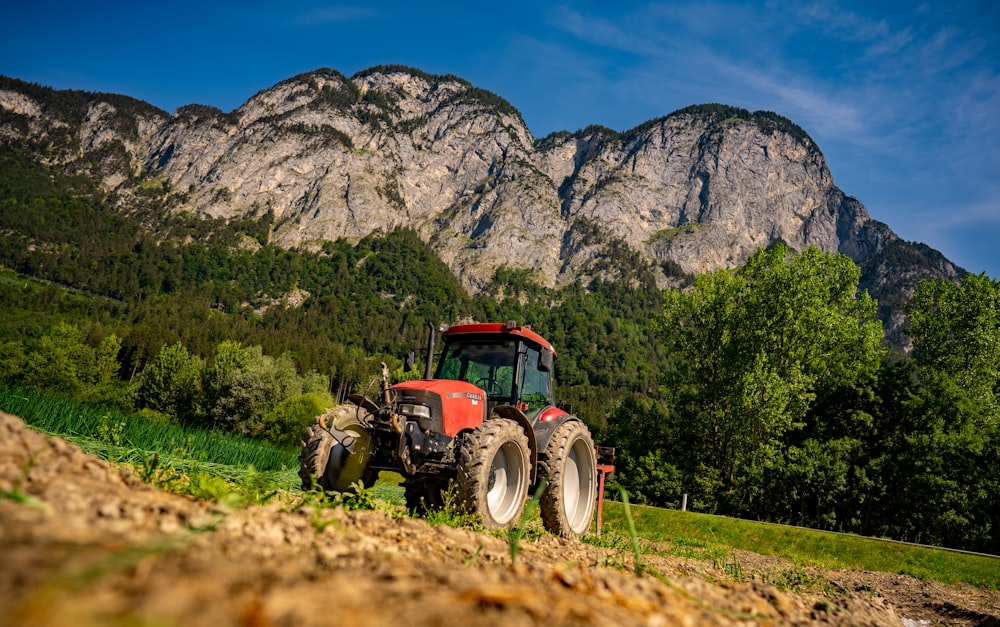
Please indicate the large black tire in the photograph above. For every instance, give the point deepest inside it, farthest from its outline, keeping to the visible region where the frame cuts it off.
(319, 442)
(569, 465)
(493, 472)
(312, 460)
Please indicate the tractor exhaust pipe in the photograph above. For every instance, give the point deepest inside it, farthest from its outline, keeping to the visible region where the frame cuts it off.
(428, 371)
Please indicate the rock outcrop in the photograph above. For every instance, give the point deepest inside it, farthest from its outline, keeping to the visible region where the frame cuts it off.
(331, 156)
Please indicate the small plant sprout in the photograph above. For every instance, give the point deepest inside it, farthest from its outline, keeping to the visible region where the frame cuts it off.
(515, 533)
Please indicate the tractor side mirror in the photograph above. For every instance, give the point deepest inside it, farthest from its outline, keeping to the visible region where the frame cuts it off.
(545, 361)
(411, 360)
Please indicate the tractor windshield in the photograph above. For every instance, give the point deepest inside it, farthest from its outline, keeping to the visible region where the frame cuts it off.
(486, 365)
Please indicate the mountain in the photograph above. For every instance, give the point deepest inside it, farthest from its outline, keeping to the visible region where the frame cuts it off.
(330, 156)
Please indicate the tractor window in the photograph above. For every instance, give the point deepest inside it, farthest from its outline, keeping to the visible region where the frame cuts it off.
(489, 366)
(535, 389)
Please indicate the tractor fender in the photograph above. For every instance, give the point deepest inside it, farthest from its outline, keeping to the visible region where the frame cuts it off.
(544, 430)
(363, 402)
(513, 413)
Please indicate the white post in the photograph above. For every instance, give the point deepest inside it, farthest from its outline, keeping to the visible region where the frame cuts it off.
(684, 502)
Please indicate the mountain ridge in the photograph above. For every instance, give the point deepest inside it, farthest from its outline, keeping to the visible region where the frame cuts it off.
(694, 191)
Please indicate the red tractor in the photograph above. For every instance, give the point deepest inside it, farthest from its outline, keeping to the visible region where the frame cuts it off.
(487, 421)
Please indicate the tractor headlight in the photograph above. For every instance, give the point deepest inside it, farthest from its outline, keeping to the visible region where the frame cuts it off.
(416, 411)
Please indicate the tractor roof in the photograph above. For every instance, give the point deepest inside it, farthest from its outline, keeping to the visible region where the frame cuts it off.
(498, 329)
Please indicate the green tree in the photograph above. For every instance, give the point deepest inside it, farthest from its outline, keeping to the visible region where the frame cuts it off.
(56, 363)
(749, 350)
(62, 362)
(251, 390)
(646, 444)
(955, 330)
(651, 479)
(287, 422)
(13, 361)
(940, 462)
(106, 364)
(217, 377)
(170, 384)
(817, 483)
(106, 388)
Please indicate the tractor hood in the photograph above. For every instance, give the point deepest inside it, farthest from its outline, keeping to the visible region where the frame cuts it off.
(453, 405)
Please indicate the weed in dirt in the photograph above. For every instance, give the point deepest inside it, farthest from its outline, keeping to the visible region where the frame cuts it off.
(359, 497)
(612, 562)
(469, 561)
(201, 484)
(255, 487)
(452, 511)
(110, 429)
(316, 502)
(631, 530)
(206, 487)
(612, 541)
(795, 579)
(607, 541)
(731, 566)
(159, 475)
(18, 496)
(641, 568)
(25, 499)
(515, 533)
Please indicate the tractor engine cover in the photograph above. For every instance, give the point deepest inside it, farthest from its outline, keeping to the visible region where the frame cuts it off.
(452, 405)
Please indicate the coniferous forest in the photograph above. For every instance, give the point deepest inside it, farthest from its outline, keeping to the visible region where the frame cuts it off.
(766, 392)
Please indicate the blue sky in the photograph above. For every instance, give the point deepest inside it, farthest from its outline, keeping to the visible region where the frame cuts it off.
(903, 98)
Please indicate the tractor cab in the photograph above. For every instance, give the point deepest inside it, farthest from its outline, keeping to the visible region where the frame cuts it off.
(511, 364)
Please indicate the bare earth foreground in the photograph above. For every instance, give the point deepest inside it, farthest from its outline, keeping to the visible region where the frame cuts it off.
(83, 543)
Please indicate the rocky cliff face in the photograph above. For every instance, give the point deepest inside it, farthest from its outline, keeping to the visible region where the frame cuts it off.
(331, 156)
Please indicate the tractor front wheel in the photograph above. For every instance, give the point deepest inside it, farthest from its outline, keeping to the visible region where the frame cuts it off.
(493, 472)
(315, 453)
(569, 465)
(320, 443)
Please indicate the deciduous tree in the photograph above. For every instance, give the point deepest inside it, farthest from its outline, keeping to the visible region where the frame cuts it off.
(750, 348)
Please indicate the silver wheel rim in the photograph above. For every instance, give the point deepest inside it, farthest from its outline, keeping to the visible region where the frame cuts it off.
(505, 481)
(578, 486)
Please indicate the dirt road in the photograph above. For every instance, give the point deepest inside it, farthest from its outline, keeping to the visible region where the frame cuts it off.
(84, 543)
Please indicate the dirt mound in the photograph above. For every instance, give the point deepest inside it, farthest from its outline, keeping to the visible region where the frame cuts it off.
(88, 544)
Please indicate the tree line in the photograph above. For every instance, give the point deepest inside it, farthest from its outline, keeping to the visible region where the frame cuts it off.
(778, 403)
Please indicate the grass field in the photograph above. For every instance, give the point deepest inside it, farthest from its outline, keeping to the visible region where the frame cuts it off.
(164, 453)
(134, 440)
(714, 537)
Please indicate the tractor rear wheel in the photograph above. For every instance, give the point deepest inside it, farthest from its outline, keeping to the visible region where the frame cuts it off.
(493, 472)
(569, 465)
(319, 443)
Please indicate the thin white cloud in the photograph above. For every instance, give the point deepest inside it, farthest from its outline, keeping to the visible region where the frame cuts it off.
(601, 32)
(914, 89)
(889, 45)
(806, 104)
(966, 233)
(331, 15)
(714, 41)
(844, 24)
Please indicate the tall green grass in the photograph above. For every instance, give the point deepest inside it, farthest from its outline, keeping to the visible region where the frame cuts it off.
(122, 437)
(692, 534)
